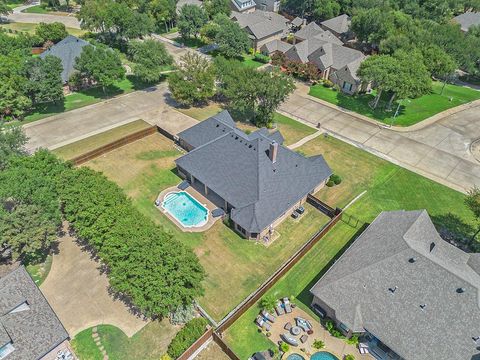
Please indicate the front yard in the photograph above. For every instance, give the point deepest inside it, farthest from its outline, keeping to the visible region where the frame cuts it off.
(388, 187)
(146, 167)
(411, 111)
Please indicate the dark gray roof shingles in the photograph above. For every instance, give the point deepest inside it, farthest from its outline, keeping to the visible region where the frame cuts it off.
(356, 287)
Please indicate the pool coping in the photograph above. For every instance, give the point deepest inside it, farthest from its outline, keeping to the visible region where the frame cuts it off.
(198, 197)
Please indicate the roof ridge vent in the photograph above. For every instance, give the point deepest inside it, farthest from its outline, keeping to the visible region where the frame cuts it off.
(412, 260)
(461, 290)
(392, 290)
(423, 306)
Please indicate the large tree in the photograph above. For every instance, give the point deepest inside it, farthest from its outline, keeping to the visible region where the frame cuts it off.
(4, 9)
(44, 79)
(215, 7)
(100, 65)
(194, 82)
(150, 58)
(231, 39)
(190, 20)
(53, 32)
(439, 63)
(13, 101)
(12, 142)
(325, 9)
(473, 203)
(163, 12)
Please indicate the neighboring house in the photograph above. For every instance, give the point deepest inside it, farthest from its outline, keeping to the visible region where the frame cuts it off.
(254, 178)
(339, 26)
(243, 6)
(337, 62)
(409, 293)
(467, 20)
(67, 50)
(268, 5)
(262, 26)
(29, 328)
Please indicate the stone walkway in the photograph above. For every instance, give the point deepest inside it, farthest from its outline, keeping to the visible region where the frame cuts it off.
(304, 140)
(440, 151)
(78, 291)
(98, 342)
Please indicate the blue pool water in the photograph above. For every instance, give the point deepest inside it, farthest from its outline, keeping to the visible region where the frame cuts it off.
(185, 209)
(323, 355)
(295, 357)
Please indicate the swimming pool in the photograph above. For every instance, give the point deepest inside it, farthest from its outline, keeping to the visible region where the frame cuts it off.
(323, 355)
(185, 209)
(295, 357)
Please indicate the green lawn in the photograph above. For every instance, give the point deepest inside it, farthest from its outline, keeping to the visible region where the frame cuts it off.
(30, 28)
(292, 130)
(389, 187)
(40, 271)
(411, 111)
(81, 147)
(149, 343)
(12, 4)
(193, 43)
(249, 61)
(146, 167)
(83, 98)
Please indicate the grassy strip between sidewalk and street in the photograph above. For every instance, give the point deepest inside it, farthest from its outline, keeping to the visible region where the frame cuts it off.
(411, 111)
(83, 146)
(389, 187)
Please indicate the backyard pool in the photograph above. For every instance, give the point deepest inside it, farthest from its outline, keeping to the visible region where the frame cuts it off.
(185, 209)
(323, 355)
(295, 357)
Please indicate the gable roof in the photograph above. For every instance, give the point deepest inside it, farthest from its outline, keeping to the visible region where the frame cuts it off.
(276, 45)
(261, 24)
(237, 167)
(67, 50)
(467, 20)
(309, 31)
(339, 24)
(402, 249)
(32, 327)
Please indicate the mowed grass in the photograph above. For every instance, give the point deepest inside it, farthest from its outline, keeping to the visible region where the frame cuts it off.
(411, 111)
(83, 98)
(39, 272)
(291, 130)
(388, 187)
(230, 261)
(151, 342)
(81, 147)
(30, 28)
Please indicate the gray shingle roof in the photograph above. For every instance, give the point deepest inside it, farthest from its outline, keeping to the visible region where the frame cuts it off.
(237, 167)
(261, 24)
(34, 331)
(339, 24)
(402, 249)
(308, 31)
(67, 50)
(298, 21)
(276, 45)
(467, 20)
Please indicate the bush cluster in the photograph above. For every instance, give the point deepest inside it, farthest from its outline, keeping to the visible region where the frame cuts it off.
(264, 59)
(186, 337)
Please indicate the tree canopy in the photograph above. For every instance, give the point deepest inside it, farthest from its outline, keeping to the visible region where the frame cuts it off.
(53, 32)
(215, 7)
(190, 20)
(44, 79)
(150, 58)
(231, 39)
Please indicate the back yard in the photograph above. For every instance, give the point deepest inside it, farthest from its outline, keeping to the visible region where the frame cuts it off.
(388, 187)
(146, 167)
(411, 111)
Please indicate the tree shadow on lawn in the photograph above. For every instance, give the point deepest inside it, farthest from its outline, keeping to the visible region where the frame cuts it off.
(455, 231)
(305, 296)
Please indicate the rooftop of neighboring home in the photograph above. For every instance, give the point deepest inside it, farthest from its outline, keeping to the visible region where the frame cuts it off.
(467, 20)
(339, 24)
(253, 172)
(29, 328)
(243, 5)
(67, 50)
(404, 284)
(262, 24)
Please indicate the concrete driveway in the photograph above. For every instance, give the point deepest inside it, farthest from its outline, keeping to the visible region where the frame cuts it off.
(78, 292)
(18, 16)
(439, 151)
(149, 105)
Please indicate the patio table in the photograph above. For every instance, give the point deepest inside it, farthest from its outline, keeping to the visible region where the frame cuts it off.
(295, 330)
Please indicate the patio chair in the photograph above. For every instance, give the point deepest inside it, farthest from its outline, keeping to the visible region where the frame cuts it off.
(286, 303)
(268, 316)
(288, 326)
(279, 308)
(304, 338)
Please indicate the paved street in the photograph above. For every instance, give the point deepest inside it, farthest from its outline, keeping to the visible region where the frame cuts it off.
(149, 105)
(439, 151)
(19, 16)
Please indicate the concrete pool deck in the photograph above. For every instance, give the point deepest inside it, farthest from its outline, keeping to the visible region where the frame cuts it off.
(200, 198)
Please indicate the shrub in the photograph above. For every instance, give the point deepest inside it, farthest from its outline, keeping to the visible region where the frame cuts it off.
(330, 183)
(264, 59)
(268, 302)
(186, 337)
(318, 344)
(336, 179)
(284, 347)
(182, 314)
(353, 340)
(349, 357)
(330, 326)
(327, 83)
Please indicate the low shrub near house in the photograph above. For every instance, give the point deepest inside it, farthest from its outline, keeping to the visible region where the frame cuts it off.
(330, 183)
(332, 329)
(284, 347)
(327, 83)
(186, 337)
(336, 179)
(353, 340)
(318, 344)
(264, 59)
(349, 357)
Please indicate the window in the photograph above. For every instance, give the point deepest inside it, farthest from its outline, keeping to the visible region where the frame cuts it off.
(6, 350)
(241, 229)
(344, 327)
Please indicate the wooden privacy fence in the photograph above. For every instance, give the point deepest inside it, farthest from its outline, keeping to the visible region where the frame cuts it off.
(207, 335)
(257, 294)
(320, 205)
(226, 349)
(114, 145)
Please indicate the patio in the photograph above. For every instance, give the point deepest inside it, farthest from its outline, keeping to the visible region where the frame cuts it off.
(337, 347)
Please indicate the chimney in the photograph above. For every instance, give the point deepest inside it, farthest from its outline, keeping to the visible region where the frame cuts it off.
(272, 152)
